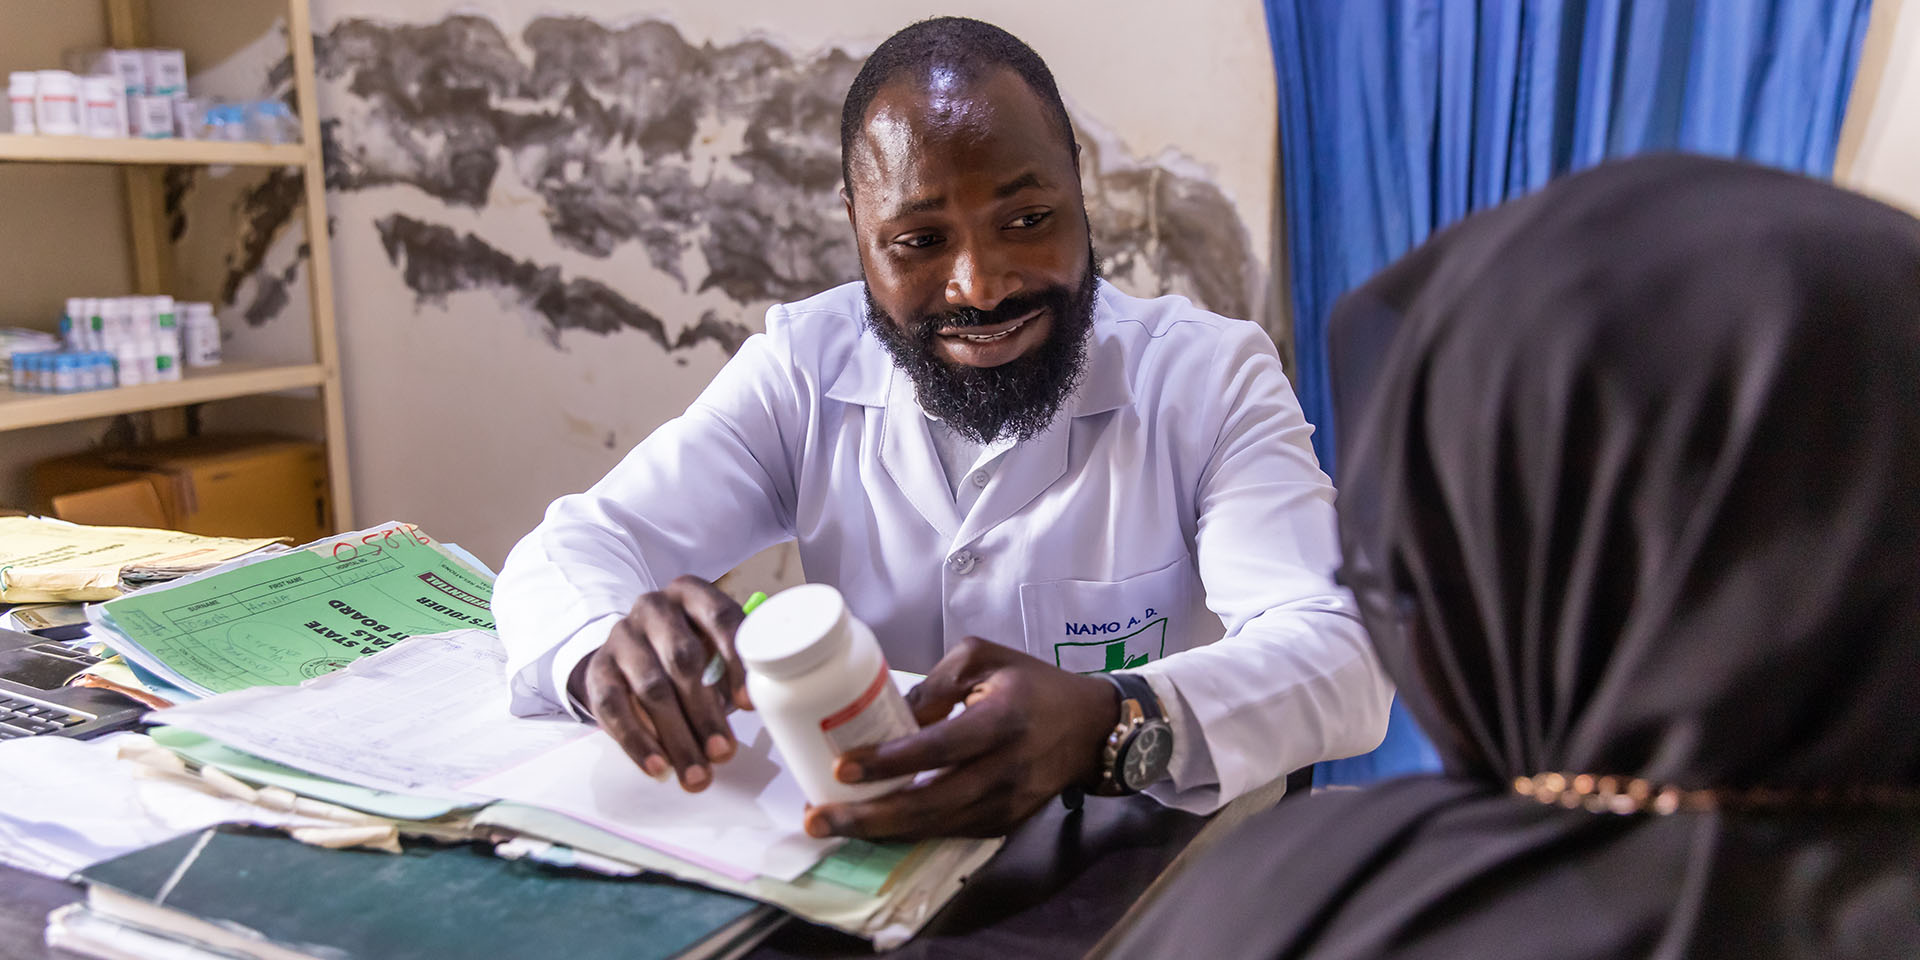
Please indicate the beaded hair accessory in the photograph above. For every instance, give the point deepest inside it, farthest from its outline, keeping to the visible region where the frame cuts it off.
(1633, 795)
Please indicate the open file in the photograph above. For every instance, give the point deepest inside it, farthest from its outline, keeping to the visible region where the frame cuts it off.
(429, 717)
(296, 616)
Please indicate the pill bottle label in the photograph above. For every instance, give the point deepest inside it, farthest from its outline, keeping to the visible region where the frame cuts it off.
(22, 114)
(879, 714)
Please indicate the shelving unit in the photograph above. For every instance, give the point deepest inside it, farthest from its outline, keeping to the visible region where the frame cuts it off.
(225, 382)
(143, 164)
(37, 149)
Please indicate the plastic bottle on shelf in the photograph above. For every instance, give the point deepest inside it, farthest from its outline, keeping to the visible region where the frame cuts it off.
(113, 322)
(227, 121)
(149, 351)
(93, 325)
(140, 319)
(202, 334)
(166, 317)
(21, 88)
(190, 117)
(269, 121)
(104, 107)
(73, 324)
(57, 103)
(152, 117)
(132, 71)
(166, 357)
(126, 357)
(166, 72)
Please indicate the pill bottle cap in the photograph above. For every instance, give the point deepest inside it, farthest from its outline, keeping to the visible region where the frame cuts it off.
(795, 631)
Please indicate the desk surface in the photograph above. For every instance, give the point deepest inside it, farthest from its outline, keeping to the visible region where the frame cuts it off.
(1058, 885)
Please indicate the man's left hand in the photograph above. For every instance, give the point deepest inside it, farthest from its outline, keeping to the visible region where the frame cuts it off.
(1029, 730)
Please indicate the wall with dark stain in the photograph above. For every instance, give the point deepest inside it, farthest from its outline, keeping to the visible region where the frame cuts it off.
(550, 230)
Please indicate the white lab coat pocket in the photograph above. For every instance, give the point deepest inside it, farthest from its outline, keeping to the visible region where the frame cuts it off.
(1092, 626)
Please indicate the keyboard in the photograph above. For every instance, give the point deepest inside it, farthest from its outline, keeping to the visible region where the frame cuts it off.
(20, 717)
(36, 699)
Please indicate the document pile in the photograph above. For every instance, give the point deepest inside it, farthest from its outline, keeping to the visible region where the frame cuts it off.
(428, 719)
(356, 682)
(281, 619)
(43, 560)
(70, 803)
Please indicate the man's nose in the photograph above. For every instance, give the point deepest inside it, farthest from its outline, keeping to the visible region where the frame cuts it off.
(981, 278)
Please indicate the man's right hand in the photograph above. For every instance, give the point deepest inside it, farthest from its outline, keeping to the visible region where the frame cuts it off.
(644, 685)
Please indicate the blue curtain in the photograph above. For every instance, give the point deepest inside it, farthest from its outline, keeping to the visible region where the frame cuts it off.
(1398, 117)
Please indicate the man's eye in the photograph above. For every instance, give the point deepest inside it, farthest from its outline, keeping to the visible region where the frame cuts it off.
(919, 241)
(1029, 220)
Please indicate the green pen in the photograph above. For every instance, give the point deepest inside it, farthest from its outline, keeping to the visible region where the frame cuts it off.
(753, 603)
(717, 667)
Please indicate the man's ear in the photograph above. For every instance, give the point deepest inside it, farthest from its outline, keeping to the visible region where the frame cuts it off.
(846, 199)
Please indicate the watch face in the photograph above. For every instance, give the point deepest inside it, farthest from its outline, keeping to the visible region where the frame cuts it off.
(1144, 762)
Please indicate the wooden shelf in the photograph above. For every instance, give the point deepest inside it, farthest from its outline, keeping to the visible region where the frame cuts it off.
(142, 169)
(226, 381)
(39, 149)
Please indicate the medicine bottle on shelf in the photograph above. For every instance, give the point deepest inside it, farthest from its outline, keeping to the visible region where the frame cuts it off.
(200, 333)
(22, 85)
(103, 110)
(57, 103)
(821, 686)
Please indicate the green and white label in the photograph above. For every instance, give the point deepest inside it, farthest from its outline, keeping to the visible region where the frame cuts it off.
(1130, 651)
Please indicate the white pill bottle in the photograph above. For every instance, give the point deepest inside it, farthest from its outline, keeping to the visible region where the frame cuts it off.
(821, 686)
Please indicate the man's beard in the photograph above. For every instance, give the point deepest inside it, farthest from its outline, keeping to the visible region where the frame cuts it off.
(1017, 399)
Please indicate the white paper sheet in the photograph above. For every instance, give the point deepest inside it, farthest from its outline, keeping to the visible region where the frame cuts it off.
(424, 717)
(429, 716)
(69, 803)
(746, 822)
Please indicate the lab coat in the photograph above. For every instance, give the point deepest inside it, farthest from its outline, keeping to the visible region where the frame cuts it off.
(1172, 521)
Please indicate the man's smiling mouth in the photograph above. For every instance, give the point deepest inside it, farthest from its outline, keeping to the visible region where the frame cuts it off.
(996, 332)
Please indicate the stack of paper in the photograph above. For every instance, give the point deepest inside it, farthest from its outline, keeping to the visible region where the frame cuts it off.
(51, 561)
(69, 803)
(360, 673)
(428, 719)
(279, 620)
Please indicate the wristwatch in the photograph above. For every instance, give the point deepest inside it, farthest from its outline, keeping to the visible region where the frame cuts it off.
(1140, 747)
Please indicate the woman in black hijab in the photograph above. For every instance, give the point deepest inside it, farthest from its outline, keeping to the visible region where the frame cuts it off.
(1632, 509)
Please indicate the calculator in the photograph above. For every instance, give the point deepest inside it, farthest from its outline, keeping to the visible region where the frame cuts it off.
(35, 700)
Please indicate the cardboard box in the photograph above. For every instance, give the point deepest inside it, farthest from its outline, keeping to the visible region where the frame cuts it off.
(134, 503)
(242, 486)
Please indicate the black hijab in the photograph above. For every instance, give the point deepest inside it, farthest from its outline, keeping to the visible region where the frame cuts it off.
(1634, 490)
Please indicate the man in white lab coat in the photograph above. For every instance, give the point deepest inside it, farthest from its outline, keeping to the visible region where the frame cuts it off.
(1094, 519)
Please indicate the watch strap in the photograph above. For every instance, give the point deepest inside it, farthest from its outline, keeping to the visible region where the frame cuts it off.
(1135, 687)
(1138, 707)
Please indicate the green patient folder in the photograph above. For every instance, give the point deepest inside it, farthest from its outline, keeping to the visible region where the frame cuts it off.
(427, 903)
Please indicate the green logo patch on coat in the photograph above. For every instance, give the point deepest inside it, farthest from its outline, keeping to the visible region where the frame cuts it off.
(1142, 646)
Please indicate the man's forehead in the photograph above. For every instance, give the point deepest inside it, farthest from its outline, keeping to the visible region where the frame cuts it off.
(943, 104)
(944, 119)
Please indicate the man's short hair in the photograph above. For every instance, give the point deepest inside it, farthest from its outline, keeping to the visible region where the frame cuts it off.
(969, 48)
